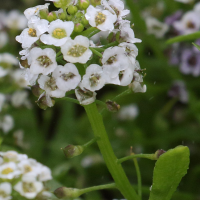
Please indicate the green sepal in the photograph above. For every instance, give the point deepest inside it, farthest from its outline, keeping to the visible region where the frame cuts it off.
(168, 172)
(197, 46)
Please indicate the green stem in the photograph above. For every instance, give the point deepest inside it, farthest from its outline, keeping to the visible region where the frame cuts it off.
(110, 45)
(101, 103)
(137, 168)
(116, 170)
(96, 52)
(58, 54)
(90, 142)
(168, 106)
(100, 187)
(99, 49)
(148, 156)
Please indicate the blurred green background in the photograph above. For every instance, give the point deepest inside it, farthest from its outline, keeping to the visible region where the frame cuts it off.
(159, 125)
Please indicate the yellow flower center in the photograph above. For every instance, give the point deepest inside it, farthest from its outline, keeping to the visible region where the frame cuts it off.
(67, 76)
(77, 50)
(3, 194)
(7, 171)
(32, 32)
(59, 33)
(28, 187)
(44, 61)
(27, 169)
(100, 18)
(94, 80)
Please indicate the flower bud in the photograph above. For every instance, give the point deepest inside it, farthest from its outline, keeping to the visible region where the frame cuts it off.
(64, 193)
(112, 106)
(62, 3)
(71, 151)
(83, 4)
(24, 63)
(78, 28)
(159, 153)
(45, 102)
(36, 90)
(62, 16)
(44, 14)
(72, 10)
(85, 96)
(84, 21)
(95, 2)
(79, 15)
(51, 16)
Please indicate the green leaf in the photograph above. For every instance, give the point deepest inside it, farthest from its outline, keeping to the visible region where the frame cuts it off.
(197, 46)
(182, 38)
(168, 172)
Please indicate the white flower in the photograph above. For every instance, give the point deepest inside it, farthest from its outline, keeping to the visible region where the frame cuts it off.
(156, 27)
(189, 23)
(59, 33)
(131, 51)
(5, 191)
(49, 85)
(29, 77)
(35, 10)
(127, 33)
(29, 187)
(67, 77)
(85, 96)
(137, 87)
(3, 39)
(30, 35)
(24, 53)
(197, 7)
(15, 20)
(117, 6)
(42, 61)
(13, 156)
(9, 171)
(102, 19)
(2, 100)
(94, 79)
(7, 123)
(114, 60)
(45, 174)
(128, 112)
(77, 50)
(126, 76)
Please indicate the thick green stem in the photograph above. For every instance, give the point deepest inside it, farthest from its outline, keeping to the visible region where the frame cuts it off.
(96, 52)
(116, 170)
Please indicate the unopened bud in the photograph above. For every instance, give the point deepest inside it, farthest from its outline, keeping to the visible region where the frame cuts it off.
(62, 16)
(24, 63)
(79, 15)
(159, 153)
(95, 2)
(62, 3)
(71, 151)
(83, 4)
(112, 106)
(36, 90)
(72, 10)
(84, 21)
(78, 28)
(64, 193)
(51, 16)
(45, 102)
(44, 14)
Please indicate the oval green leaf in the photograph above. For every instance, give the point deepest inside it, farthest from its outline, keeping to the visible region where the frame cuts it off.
(168, 172)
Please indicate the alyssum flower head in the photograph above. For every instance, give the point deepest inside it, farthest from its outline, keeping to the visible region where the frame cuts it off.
(59, 56)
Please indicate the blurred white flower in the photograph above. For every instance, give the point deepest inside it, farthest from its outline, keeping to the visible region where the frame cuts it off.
(6, 123)
(2, 100)
(5, 191)
(3, 39)
(15, 20)
(9, 171)
(20, 98)
(129, 112)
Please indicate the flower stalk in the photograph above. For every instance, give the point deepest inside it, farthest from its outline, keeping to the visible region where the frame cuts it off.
(116, 170)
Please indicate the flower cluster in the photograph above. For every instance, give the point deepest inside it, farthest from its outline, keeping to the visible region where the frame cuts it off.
(11, 91)
(24, 175)
(59, 56)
